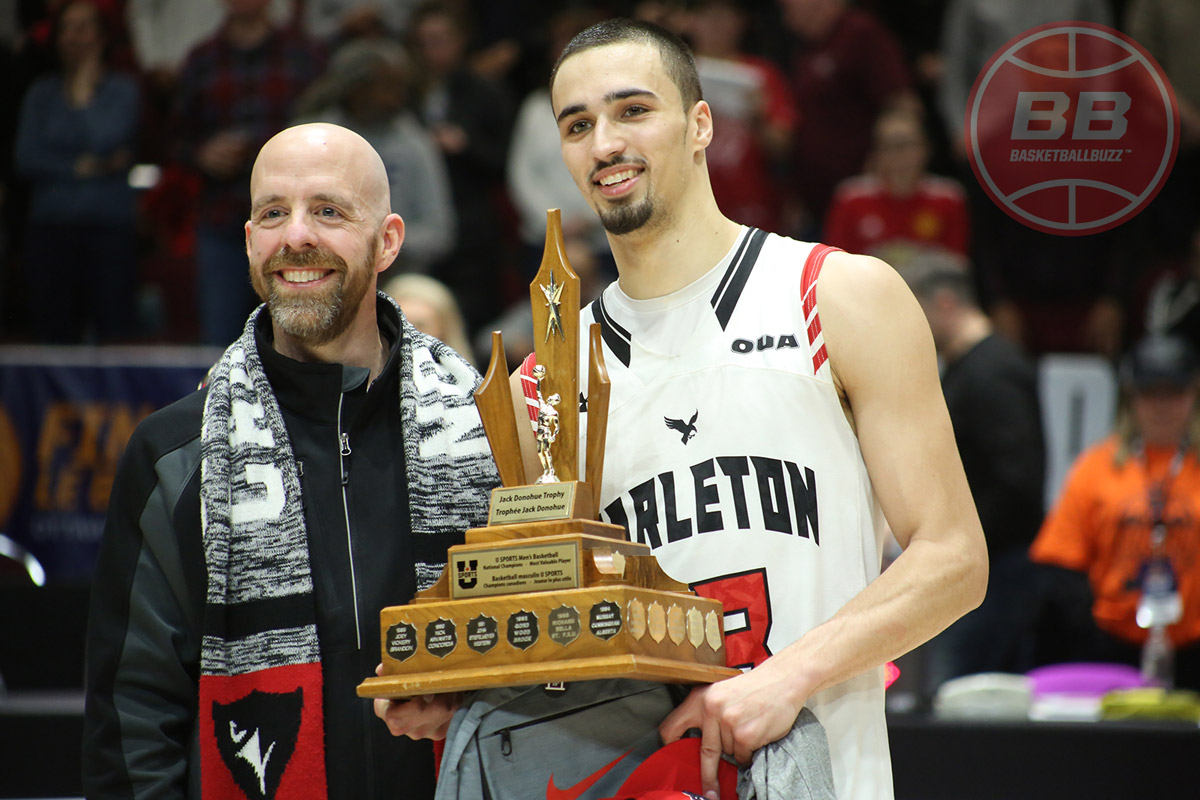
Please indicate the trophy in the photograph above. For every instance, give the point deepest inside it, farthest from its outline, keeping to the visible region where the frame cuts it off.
(546, 593)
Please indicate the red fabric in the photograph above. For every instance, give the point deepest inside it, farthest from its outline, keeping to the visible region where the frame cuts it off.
(529, 386)
(864, 216)
(808, 291)
(738, 167)
(841, 84)
(671, 771)
(891, 673)
(304, 776)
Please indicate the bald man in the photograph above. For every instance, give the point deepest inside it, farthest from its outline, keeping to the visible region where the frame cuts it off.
(257, 526)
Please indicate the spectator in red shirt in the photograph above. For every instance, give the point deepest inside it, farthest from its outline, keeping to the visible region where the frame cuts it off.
(753, 112)
(846, 68)
(897, 209)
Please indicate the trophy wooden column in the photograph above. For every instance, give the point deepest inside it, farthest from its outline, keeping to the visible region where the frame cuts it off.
(545, 592)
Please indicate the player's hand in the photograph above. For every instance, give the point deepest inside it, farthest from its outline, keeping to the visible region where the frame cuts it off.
(425, 717)
(736, 716)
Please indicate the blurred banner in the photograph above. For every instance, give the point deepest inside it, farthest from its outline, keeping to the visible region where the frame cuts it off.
(66, 414)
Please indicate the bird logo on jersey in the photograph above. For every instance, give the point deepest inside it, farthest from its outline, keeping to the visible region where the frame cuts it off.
(688, 430)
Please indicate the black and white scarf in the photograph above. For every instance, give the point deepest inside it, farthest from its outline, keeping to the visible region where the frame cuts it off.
(261, 680)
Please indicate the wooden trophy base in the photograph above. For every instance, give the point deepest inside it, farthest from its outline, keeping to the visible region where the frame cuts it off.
(603, 609)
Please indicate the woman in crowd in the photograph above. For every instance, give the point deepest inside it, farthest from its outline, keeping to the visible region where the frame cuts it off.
(75, 143)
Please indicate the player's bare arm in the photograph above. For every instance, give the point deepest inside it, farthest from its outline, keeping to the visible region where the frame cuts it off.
(883, 361)
(884, 366)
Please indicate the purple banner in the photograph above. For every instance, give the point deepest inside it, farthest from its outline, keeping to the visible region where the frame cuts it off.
(66, 414)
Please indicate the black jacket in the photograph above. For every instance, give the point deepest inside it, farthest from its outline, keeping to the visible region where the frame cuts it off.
(141, 737)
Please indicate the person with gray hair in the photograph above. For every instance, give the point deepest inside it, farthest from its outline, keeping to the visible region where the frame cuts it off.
(365, 89)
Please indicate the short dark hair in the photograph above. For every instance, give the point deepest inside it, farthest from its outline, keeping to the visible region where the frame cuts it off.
(927, 281)
(675, 54)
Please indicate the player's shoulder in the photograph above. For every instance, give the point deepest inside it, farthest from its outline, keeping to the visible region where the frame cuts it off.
(858, 279)
(870, 320)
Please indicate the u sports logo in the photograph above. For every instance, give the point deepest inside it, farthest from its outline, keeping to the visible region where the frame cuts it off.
(1072, 128)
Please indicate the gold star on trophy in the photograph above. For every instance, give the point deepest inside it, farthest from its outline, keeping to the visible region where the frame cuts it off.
(553, 294)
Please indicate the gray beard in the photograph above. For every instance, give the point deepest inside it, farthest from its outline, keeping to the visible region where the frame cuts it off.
(314, 320)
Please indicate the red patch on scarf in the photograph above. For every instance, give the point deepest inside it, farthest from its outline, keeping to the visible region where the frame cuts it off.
(262, 735)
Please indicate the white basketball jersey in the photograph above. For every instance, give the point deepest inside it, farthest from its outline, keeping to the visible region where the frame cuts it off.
(728, 452)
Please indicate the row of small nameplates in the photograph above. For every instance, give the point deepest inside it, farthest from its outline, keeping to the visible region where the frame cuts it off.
(563, 627)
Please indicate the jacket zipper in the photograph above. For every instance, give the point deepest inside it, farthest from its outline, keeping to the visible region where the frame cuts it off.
(343, 461)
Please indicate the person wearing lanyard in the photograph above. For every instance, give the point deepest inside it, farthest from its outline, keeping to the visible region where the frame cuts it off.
(1128, 517)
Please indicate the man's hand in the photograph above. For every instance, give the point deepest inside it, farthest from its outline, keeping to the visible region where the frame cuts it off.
(736, 716)
(425, 717)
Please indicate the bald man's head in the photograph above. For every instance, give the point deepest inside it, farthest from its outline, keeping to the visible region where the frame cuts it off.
(323, 148)
(320, 230)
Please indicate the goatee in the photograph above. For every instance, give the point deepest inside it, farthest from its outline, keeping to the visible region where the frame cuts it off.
(627, 218)
(314, 317)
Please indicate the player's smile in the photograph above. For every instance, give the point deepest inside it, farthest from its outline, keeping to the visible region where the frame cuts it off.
(618, 181)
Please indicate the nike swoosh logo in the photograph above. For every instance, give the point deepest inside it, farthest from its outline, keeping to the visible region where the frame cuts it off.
(576, 791)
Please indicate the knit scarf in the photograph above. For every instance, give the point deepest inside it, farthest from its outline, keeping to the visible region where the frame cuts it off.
(260, 705)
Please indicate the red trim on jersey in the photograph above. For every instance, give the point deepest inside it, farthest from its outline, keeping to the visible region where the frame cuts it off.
(814, 328)
(819, 358)
(808, 291)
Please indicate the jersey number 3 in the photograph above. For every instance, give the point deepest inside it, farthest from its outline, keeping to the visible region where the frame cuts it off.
(747, 602)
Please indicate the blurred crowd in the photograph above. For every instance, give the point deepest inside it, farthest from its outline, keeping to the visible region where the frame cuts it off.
(132, 125)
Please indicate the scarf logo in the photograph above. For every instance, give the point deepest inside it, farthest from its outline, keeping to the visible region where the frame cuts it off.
(256, 737)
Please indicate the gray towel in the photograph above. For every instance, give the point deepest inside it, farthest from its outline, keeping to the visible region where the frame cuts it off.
(795, 767)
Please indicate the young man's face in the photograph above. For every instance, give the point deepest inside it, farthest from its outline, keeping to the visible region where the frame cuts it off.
(626, 138)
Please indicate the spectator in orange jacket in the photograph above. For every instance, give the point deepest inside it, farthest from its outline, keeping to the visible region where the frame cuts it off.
(1146, 473)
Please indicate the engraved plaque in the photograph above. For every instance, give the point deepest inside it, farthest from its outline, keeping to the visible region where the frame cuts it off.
(537, 503)
(562, 626)
(482, 634)
(695, 627)
(656, 621)
(637, 619)
(514, 569)
(605, 620)
(441, 637)
(401, 641)
(712, 630)
(675, 624)
(522, 629)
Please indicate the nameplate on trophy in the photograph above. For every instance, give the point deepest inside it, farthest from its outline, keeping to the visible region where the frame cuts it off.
(534, 567)
(536, 503)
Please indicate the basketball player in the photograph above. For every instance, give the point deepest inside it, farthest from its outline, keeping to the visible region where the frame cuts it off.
(775, 406)
(805, 385)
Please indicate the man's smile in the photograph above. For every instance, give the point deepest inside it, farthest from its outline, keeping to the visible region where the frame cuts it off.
(298, 276)
(617, 180)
